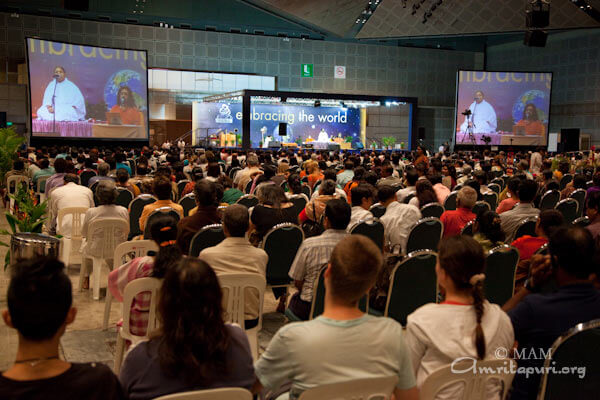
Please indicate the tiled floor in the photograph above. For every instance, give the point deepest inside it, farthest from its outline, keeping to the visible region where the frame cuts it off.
(85, 340)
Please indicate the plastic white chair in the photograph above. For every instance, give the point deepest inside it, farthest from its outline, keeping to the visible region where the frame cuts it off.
(124, 253)
(211, 394)
(475, 385)
(235, 286)
(109, 228)
(359, 389)
(132, 289)
(70, 244)
(38, 191)
(12, 185)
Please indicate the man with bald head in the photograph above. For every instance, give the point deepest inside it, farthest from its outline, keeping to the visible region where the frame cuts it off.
(235, 254)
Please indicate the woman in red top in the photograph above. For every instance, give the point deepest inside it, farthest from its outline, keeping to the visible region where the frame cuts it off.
(130, 115)
(548, 221)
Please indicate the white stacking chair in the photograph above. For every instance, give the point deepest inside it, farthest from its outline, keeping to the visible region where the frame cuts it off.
(12, 185)
(70, 244)
(124, 253)
(109, 228)
(359, 389)
(234, 287)
(474, 380)
(132, 289)
(42, 194)
(211, 394)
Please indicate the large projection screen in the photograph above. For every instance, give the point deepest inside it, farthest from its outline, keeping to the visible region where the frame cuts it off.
(506, 108)
(87, 92)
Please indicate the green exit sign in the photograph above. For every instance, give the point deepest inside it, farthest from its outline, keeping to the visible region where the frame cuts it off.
(307, 71)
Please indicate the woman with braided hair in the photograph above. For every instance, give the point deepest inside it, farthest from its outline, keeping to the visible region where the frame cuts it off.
(465, 324)
(164, 233)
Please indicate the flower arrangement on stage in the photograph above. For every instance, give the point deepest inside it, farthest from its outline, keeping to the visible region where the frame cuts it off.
(388, 142)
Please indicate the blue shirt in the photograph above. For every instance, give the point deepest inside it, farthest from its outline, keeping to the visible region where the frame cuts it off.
(125, 166)
(538, 320)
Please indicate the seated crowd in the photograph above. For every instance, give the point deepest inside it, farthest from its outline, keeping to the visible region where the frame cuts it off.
(482, 201)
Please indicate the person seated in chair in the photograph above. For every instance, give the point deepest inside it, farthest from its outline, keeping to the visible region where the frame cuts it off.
(539, 319)
(398, 218)
(40, 308)
(512, 219)
(362, 200)
(465, 324)
(162, 189)
(343, 343)
(313, 254)
(235, 254)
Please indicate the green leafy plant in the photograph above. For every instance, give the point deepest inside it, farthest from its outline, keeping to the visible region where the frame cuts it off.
(238, 138)
(388, 141)
(28, 217)
(10, 141)
(348, 139)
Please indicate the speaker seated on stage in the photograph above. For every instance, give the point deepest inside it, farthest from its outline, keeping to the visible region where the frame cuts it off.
(126, 107)
(530, 123)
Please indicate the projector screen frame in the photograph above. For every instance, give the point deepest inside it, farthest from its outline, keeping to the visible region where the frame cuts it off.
(483, 146)
(46, 140)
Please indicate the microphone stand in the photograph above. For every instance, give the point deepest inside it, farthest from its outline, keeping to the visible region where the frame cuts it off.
(53, 107)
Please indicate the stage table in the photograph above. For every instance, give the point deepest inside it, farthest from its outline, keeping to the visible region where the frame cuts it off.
(63, 128)
(118, 131)
(501, 138)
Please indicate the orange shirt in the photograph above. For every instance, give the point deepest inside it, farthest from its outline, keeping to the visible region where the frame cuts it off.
(129, 116)
(532, 127)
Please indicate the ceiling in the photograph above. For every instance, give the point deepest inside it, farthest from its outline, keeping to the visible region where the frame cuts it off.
(454, 24)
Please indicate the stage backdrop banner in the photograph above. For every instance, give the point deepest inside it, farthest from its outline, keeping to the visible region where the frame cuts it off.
(95, 75)
(508, 107)
(303, 122)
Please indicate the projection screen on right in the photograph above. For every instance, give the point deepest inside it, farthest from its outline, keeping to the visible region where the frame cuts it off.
(502, 108)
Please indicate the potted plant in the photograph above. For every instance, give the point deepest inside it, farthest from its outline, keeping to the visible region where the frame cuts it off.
(28, 217)
(238, 139)
(10, 142)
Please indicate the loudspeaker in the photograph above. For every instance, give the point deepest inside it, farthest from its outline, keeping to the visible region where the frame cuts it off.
(77, 5)
(2, 119)
(283, 129)
(421, 134)
(535, 38)
(569, 139)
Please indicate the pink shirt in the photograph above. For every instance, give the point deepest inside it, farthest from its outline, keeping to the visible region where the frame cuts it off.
(506, 205)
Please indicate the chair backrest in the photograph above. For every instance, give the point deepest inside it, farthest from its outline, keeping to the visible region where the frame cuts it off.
(581, 221)
(208, 236)
(187, 202)
(578, 347)
(549, 200)
(306, 190)
(526, 227)
(109, 228)
(248, 186)
(181, 185)
(281, 244)
(234, 171)
(495, 187)
(480, 207)
(93, 188)
(211, 394)
(377, 210)
(413, 283)
(132, 289)
(425, 234)
(248, 200)
(135, 212)
(318, 302)
(501, 265)
(432, 210)
(467, 229)
(568, 209)
(299, 202)
(450, 202)
(565, 180)
(77, 215)
(589, 184)
(359, 389)
(373, 229)
(154, 215)
(13, 182)
(124, 197)
(492, 199)
(127, 251)
(41, 184)
(473, 385)
(234, 287)
(579, 196)
(497, 181)
(86, 175)
(408, 198)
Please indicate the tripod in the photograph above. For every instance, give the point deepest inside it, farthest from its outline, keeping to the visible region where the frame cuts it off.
(54, 107)
(469, 131)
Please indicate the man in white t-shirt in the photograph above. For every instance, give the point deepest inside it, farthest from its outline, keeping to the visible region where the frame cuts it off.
(343, 343)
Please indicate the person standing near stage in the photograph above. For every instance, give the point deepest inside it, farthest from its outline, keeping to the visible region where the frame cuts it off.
(68, 104)
(483, 117)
